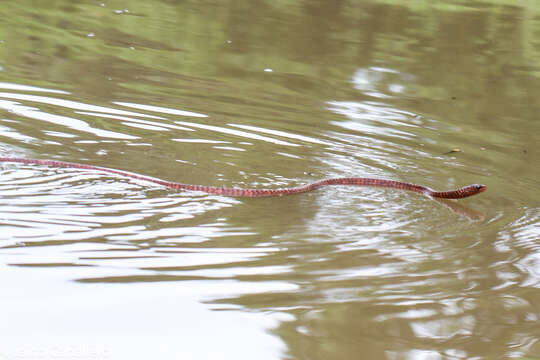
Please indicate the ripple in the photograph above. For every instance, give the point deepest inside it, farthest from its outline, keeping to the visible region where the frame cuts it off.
(281, 134)
(19, 87)
(15, 135)
(66, 121)
(161, 109)
(526, 229)
(73, 105)
(39, 206)
(372, 114)
(242, 134)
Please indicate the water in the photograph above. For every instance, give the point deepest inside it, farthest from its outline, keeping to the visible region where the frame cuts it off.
(269, 94)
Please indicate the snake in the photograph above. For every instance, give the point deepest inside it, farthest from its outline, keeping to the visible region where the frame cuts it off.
(460, 193)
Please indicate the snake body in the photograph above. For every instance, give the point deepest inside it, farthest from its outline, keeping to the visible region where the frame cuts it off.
(236, 192)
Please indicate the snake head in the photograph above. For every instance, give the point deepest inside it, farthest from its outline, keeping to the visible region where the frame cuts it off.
(480, 187)
(473, 189)
(460, 193)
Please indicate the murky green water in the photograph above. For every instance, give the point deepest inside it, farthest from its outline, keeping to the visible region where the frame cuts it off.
(269, 94)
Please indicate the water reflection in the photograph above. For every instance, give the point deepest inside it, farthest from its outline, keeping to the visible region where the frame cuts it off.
(372, 80)
(181, 91)
(328, 249)
(73, 202)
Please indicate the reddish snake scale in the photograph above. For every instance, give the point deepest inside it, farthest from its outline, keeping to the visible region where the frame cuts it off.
(451, 194)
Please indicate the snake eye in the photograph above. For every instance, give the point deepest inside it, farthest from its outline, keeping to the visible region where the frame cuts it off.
(479, 187)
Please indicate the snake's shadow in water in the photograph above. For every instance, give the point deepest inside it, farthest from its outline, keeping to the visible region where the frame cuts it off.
(461, 209)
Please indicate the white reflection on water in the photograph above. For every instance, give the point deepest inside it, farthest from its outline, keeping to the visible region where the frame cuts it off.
(367, 117)
(19, 87)
(526, 232)
(72, 205)
(153, 124)
(73, 105)
(379, 81)
(71, 314)
(66, 121)
(242, 134)
(100, 111)
(444, 328)
(281, 133)
(13, 134)
(160, 109)
(133, 120)
(530, 265)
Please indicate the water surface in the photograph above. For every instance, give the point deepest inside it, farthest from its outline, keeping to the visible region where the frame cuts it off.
(268, 95)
